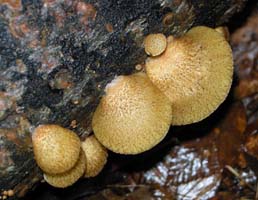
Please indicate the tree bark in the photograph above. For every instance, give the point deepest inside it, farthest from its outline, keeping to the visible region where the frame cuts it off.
(56, 58)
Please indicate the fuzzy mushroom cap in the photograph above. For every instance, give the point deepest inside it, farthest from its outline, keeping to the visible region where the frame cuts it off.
(195, 72)
(56, 149)
(70, 177)
(133, 116)
(96, 156)
(155, 44)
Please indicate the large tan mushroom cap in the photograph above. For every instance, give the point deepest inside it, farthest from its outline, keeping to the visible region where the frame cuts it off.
(133, 116)
(56, 149)
(96, 156)
(70, 177)
(195, 72)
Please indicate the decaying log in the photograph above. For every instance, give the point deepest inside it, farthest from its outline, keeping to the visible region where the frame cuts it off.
(56, 56)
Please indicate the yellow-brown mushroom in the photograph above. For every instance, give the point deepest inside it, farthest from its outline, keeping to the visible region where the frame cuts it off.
(70, 177)
(96, 156)
(195, 72)
(133, 116)
(155, 44)
(56, 149)
(224, 31)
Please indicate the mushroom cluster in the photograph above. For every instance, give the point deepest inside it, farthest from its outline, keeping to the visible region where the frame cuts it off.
(63, 157)
(185, 79)
(195, 73)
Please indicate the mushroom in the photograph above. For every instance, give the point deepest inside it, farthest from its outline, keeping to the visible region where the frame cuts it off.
(195, 72)
(224, 31)
(155, 44)
(70, 177)
(96, 156)
(56, 149)
(133, 116)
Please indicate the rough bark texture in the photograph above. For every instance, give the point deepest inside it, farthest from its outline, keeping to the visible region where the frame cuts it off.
(56, 56)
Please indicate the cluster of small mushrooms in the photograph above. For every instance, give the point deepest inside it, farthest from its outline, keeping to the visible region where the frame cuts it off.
(185, 79)
(64, 158)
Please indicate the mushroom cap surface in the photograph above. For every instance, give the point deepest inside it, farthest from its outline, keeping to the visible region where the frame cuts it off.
(155, 44)
(195, 72)
(133, 116)
(96, 156)
(224, 31)
(56, 149)
(70, 177)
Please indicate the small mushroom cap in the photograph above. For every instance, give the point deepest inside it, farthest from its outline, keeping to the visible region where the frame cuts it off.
(96, 156)
(195, 72)
(70, 177)
(56, 149)
(155, 44)
(133, 116)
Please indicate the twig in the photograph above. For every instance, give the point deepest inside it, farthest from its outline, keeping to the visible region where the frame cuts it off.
(236, 174)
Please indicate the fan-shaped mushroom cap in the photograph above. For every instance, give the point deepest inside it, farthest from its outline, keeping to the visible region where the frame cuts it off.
(70, 177)
(195, 72)
(133, 116)
(155, 44)
(96, 156)
(56, 149)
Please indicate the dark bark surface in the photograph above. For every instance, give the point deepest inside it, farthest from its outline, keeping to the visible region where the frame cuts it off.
(57, 56)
